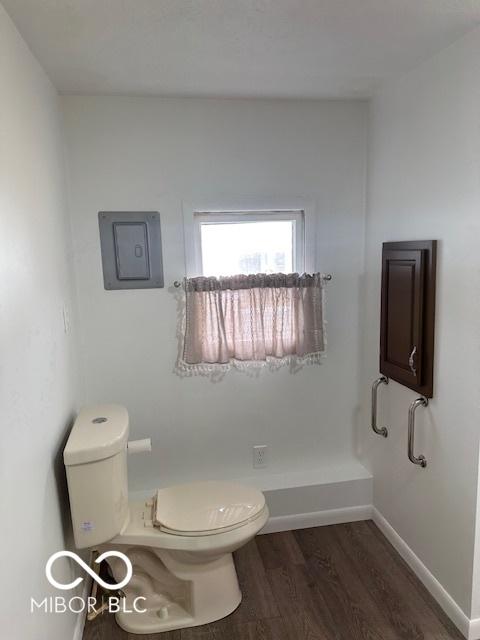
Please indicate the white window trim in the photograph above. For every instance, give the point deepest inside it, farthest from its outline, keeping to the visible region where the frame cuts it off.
(195, 213)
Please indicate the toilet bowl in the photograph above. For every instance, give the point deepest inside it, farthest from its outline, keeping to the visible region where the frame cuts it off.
(180, 542)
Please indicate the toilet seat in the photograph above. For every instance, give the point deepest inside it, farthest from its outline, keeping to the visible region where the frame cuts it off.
(206, 508)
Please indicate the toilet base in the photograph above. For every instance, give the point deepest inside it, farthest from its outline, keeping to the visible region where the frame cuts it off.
(176, 592)
(178, 618)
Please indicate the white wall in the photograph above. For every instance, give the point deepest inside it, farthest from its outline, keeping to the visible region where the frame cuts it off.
(38, 385)
(424, 183)
(151, 153)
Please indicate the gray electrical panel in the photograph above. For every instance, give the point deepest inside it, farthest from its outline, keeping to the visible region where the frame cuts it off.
(131, 244)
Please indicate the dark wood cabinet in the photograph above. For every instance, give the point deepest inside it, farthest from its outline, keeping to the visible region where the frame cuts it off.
(407, 323)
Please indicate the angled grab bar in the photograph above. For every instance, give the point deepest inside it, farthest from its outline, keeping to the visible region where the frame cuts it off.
(420, 460)
(382, 431)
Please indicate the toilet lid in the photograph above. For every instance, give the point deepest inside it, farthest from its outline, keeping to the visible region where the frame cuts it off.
(205, 507)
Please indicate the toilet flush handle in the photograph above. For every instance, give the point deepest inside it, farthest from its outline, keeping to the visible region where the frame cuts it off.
(139, 446)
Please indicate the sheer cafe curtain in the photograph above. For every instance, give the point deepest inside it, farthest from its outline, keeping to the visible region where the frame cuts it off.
(252, 320)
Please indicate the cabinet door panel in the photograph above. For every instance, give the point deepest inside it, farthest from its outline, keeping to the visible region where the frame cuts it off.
(402, 314)
(407, 313)
(401, 349)
(400, 311)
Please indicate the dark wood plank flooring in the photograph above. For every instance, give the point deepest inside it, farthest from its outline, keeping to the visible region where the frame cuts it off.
(341, 582)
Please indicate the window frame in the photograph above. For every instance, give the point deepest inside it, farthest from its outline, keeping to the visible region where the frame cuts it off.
(298, 211)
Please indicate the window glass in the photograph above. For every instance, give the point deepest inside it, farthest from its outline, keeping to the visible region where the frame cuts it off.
(230, 248)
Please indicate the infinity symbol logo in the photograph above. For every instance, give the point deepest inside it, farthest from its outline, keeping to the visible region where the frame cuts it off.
(85, 567)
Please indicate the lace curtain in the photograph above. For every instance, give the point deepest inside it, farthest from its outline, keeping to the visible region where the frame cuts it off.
(254, 320)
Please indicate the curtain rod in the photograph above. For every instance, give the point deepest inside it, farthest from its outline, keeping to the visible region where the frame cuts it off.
(328, 277)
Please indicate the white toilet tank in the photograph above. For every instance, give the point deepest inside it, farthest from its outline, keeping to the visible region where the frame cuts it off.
(95, 458)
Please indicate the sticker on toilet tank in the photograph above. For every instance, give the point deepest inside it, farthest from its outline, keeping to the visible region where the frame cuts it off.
(86, 526)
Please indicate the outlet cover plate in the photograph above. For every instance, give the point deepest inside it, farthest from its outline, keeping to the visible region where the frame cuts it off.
(259, 456)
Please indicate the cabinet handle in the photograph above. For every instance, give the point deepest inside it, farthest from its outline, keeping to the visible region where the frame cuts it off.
(383, 430)
(411, 361)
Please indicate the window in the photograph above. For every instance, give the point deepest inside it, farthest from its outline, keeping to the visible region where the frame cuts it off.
(254, 242)
(231, 242)
(261, 312)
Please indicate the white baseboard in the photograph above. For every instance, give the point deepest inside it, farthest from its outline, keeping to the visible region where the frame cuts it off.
(82, 616)
(474, 629)
(317, 518)
(469, 628)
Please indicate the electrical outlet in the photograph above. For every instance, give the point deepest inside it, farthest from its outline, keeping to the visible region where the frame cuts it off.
(259, 456)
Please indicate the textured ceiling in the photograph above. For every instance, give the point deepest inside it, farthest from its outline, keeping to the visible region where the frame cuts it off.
(267, 48)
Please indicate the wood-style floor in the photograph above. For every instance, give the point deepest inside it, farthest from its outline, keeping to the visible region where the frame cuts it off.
(341, 582)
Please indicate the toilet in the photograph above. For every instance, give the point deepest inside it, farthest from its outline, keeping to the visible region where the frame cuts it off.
(180, 542)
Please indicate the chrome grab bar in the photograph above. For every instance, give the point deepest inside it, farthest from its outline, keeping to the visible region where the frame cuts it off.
(420, 460)
(383, 431)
